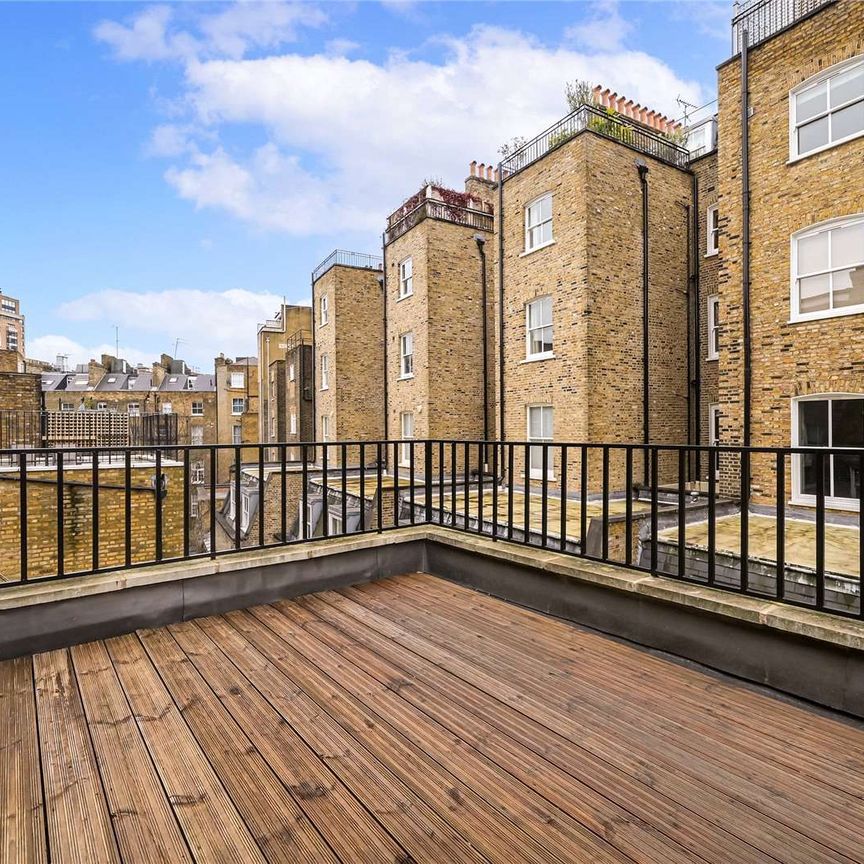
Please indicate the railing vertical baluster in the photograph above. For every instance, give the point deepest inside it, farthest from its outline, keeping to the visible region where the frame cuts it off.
(304, 493)
(510, 469)
(453, 482)
(682, 514)
(583, 498)
(655, 458)
(379, 470)
(61, 539)
(343, 456)
(261, 488)
(362, 487)
(186, 507)
(562, 515)
(466, 482)
(238, 507)
(544, 495)
(820, 530)
(325, 495)
(861, 535)
(158, 491)
(713, 464)
(745, 520)
(480, 489)
(780, 522)
(213, 469)
(283, 489)
(94, 493)
(396, 447)
(127, 508)
(412, 472)
(526, 497)
(605, 504)
(628, 506)
(427, 470)
(441, 482)
(22, 514)
(495, 490)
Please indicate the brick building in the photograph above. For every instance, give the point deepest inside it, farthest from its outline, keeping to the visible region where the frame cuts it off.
(438, 306)
(236, 409)
(803, 178)
(286, 377)
(11, 326)
(347, 296)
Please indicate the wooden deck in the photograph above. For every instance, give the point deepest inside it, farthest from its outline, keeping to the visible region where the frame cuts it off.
(410, 720)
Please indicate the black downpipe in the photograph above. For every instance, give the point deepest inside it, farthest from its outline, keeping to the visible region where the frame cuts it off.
(502, 436)
(689, 237)
(481, 248)
(745, 228)
(383, 281)
(642, 168)
(697, 331)
(314, 387)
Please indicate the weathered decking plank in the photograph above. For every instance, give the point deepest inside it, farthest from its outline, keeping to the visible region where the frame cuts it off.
(79, 825)
(144, 823)
(213, 828)
(22, 815)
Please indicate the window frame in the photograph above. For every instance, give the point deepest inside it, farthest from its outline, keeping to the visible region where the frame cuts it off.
(823, 77)
(712, 233)
(196, 431)
(406, 283)
(325, 428)
(232, 381)
(540, 355)
(798, 497)
(405, 448)
(323, 310)
(324, 367)
(292, 423)
(167, 408)
(404, 372)
(196, 405)
(532, 473)
(713, 347)
(827, 226)
(236, 434)
(234, 401)
(291, 373)
(528, 228)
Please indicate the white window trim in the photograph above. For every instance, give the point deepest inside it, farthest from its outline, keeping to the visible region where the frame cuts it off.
(713, 410)
(334, 524)
(324, 310)
(820, 227)
(236, 433)
(291, 375)
(713, 326)
(551, 241)
(404, 295)
(540, 355)
(813, 81)
(324, 368)
(405, 448)
(712, 238)
(405, 376)
(234, 401)
(195, 411)
(234, 376)
(537, 474)
(798, 497)
(292, 427)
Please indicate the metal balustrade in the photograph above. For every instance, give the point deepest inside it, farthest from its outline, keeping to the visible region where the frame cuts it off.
(717, 516)
(762, 19)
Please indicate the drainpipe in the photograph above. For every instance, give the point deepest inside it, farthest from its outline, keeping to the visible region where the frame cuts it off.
(745, 228)
(481, 248)
(314, 371)
(697, 330)
(689, 237)
(501, 435)
(642, 168)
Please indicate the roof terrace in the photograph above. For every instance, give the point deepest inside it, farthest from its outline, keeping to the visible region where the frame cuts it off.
(445, 205)
(343, 258)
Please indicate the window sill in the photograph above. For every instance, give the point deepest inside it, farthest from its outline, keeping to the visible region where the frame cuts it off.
(850, 504)
(550, 477)
(827, 315)
(710, 357)
(405, 377)
(713, 254)
(325, 388)
(536, 249)
(402, 297)
(536, 358)
(792, 160)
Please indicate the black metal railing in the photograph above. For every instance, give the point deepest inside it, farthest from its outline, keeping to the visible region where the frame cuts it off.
(763, 18)
(603, 122)
(778, 524)
(341, 257)
(432, 208)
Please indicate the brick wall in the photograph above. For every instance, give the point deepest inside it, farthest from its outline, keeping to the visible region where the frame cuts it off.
(20, 391)
(42, 548)
(788, 360)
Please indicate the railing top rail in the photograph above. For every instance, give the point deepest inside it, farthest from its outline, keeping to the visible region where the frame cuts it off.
(441, 210)
(345, 258)
(762, 19)
(589, 117)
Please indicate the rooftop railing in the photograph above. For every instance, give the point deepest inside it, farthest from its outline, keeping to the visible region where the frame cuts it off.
(343, 258)
(594, 119)
(690, 513)
(432, 208)
(763, 18)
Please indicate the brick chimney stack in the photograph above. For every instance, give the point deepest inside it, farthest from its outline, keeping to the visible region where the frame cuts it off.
(606, 98)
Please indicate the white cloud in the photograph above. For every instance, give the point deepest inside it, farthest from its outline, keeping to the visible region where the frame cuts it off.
(349, 139)
(155, 34)
(50, 346)
(603, 29)
(158, 318)
(170, 140)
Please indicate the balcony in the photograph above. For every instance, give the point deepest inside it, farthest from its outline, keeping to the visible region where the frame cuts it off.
(762, 19)
(610, 125)
(385, 687)
(342, 258)
(440, 204)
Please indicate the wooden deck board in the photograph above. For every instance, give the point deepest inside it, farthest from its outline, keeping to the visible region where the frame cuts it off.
(411, 720)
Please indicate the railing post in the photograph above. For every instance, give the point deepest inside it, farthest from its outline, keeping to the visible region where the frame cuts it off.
(22, 512)
(428, 479)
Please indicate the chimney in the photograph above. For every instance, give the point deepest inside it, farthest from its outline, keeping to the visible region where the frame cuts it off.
(490, 174)
(472, 168)
(597, 91)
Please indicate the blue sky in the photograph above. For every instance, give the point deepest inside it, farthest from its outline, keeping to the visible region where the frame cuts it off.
(176, 169)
